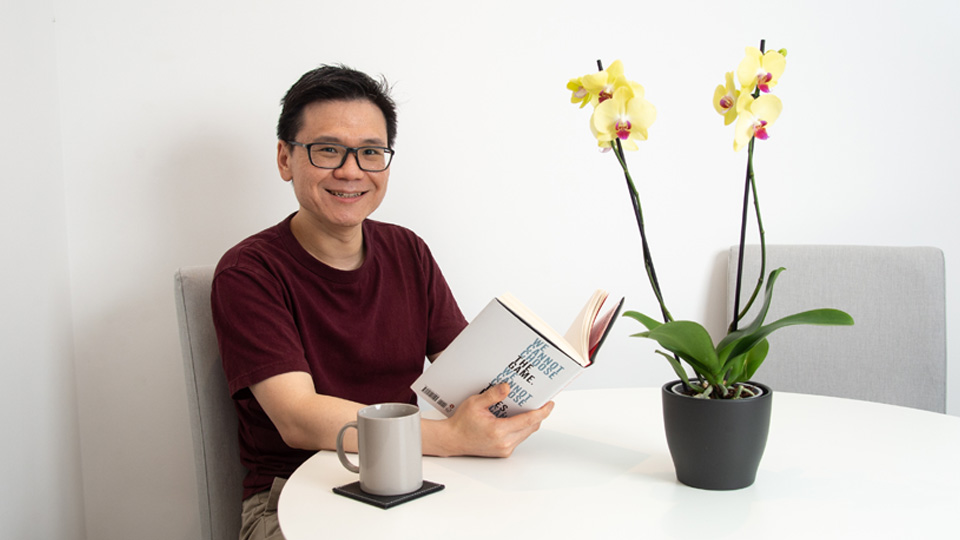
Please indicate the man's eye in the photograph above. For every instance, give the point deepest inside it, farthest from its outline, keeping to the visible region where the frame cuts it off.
(373, 151)
(327, 150)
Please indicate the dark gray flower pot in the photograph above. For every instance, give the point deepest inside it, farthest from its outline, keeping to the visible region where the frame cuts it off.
(716, 443)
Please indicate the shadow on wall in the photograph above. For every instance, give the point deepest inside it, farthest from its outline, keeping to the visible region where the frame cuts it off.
(215, 191)
(204, 194)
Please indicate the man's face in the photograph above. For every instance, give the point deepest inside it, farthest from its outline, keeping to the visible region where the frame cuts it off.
(335, 200)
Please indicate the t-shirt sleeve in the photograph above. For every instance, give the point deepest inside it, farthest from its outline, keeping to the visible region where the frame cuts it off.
(446, 321)
(257, 335)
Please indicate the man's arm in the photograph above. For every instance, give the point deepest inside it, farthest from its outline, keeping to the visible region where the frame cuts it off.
(305, 419)
(311, 421)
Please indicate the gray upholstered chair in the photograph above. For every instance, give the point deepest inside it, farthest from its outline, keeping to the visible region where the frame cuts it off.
(895, 353)
(213, 418)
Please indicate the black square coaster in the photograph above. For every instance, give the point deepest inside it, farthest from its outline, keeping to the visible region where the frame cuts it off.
(354, 492)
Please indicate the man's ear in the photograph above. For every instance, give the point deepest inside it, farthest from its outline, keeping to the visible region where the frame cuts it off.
(285, 160)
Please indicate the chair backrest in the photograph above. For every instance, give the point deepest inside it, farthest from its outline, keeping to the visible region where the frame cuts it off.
(213, 418)
(896, 351)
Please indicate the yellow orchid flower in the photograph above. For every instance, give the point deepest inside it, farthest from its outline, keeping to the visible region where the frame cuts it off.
(754, 117)
(580, 94)
(760, 70)
(625, 116)
(725, 100)
(637, 88)
(602, 84)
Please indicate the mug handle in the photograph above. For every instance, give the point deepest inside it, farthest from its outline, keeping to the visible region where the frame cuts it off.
(340, 453)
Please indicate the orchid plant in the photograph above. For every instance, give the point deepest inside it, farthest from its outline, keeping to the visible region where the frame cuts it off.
(621, 117)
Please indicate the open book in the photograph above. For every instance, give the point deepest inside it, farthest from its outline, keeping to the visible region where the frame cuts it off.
(507, 342)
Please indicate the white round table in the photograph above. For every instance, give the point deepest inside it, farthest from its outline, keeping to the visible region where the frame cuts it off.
(599, 466)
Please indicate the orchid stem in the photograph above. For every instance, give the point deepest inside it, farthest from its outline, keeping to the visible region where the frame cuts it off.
(743, 238)
(749, 186)
(763, 243)
(638, 212)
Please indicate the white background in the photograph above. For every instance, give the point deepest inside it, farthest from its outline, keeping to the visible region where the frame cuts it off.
(138, 137)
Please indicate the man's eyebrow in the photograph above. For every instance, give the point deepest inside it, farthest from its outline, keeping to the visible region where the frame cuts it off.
(371, 141)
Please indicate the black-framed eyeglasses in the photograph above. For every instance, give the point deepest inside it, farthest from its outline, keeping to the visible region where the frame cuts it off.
(326, 155)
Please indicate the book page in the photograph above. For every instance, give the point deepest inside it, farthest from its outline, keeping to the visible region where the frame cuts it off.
(602, 327)
(579, 333)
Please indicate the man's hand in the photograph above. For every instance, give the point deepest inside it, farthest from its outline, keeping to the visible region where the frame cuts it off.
(474, 431)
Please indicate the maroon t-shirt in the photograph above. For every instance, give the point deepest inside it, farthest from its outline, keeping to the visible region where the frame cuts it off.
(361, 334)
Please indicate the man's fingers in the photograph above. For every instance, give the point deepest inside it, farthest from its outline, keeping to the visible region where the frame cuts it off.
(529, 421)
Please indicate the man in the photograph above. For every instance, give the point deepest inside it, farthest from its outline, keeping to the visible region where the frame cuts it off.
(329, 311)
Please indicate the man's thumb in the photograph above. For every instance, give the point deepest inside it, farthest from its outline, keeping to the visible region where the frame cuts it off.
(495, 394)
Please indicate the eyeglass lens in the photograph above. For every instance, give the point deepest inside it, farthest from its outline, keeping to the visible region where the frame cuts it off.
(333, 156)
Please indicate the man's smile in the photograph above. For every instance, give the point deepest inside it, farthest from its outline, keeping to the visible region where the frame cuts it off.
(346, 195)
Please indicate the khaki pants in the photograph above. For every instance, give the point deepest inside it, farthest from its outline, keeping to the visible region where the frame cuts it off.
(258, 518)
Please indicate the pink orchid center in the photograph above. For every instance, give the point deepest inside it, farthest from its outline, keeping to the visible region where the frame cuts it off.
(726, 102)
(580, 93)
(622, 127)
(760, 130)
(763, 82)
(604, 95)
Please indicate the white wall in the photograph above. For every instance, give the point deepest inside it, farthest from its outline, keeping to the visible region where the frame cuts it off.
(167, 115)
(42, 490)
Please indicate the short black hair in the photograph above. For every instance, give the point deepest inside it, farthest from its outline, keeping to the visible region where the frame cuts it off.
(331, 83)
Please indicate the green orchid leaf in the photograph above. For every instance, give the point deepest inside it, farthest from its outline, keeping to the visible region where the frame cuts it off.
(677, 367)
(754, 358)
(742, 367)
(758, 321)
(651, 324)
(744, 340)
(643, 319)
(819, 317)
(733, 368)
(697, 365)
(689, 341)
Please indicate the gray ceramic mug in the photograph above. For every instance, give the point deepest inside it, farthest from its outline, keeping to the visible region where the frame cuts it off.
(391, 455)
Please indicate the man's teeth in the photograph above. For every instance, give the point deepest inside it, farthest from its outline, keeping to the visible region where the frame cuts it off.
(346, 195)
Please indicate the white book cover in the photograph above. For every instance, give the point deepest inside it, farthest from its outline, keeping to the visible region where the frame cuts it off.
(499, 346)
